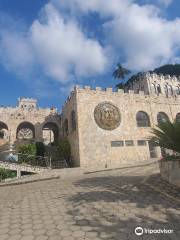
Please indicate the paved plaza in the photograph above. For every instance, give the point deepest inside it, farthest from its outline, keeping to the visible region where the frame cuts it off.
(101, 205)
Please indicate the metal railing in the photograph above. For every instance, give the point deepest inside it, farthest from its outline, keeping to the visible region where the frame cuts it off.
(25, 159)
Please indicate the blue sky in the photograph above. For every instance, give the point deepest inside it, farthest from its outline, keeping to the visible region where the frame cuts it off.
(46, 47)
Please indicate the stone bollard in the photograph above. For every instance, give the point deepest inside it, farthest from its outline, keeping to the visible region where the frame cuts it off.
(18, 173)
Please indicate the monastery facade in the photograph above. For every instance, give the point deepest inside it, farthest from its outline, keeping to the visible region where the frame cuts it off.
(113, 128)
(105, 128)
(28, 121)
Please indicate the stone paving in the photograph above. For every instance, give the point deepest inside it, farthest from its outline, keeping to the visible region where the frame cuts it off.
(104, 205)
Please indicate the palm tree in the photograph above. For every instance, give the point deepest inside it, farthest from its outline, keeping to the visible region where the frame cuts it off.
(167, 135)
(120, 73)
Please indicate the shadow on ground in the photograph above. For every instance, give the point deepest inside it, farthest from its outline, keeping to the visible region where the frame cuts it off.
(110, 207)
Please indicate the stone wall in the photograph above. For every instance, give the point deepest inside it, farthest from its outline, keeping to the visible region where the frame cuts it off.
(73, 134)
(170, 171)
(94, 143)
(150, 83)
(27, 112)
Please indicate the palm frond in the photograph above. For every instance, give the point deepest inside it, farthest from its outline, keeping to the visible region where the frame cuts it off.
(167, 135)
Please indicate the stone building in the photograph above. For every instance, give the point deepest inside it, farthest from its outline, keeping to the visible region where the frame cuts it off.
(28, 121)
(108, 129)
(105, 128)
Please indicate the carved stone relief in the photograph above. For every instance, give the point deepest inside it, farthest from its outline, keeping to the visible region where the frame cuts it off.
(107, 116)
(25, 133)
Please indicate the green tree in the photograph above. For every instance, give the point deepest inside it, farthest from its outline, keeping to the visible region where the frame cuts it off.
(5, 173)
(27, 153)
(120, 72)
(167, 135)
(65, 149)
(168, 69)
(40, 149)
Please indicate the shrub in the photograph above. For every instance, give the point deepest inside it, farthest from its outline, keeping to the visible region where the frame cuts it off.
(5, 173)
(65, 149)
(40, 149)
(28, 152)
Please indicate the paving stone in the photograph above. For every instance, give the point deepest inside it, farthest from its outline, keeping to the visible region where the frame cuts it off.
(107, 205)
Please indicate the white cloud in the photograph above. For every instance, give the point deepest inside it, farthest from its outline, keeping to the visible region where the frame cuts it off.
(146, 39)
(16, 52)
(137, 32)
(63, 49)
(55, 46)
(58, 48)
(166, 3)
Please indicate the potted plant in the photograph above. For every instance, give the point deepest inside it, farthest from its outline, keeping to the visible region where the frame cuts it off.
(167, 136)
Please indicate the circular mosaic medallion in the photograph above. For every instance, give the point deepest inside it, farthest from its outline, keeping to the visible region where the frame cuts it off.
(107, 116)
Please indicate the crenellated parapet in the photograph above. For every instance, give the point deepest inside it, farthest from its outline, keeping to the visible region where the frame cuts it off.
(120, 93)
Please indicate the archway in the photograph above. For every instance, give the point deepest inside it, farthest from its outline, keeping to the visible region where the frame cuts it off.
(3, 131)
(25, 131)
(50, 133)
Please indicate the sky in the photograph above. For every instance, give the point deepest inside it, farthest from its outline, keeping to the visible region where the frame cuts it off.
(48, 46)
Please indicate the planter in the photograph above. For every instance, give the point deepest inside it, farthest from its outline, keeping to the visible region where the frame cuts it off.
(170, 171)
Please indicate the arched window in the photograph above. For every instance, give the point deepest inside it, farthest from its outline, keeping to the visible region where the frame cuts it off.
(158, 88)
(66, 128)
(177, 90)
(178, 117)
(166, 90)
(170, 90)
(73, 120)
(142, 119)
(25, 130)
(153, 87)
(162, 117)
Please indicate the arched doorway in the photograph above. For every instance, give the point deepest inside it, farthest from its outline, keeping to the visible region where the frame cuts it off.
(3, 131)
(50, 132)
(25, 131)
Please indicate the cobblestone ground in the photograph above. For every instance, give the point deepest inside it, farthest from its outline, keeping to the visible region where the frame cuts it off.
(102, 205)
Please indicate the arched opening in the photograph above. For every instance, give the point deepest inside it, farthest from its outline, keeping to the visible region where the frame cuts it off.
(170, 90)
(50, 133)
(166, 90)
(177, 90)
(178, 117)
(142, 119)
(162, 117)
(158, 88)
(153, 87)
(73, 120)
(65, 128)
(3, 131)
(25, 131)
